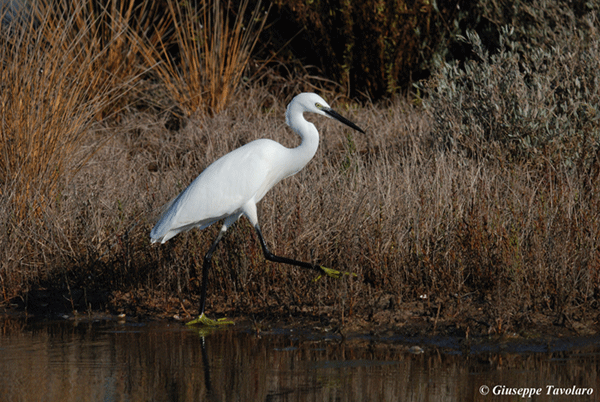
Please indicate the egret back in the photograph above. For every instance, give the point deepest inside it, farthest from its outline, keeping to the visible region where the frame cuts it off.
(224, 188)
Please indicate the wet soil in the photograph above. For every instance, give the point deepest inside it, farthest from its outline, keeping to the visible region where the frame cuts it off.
(381, 319)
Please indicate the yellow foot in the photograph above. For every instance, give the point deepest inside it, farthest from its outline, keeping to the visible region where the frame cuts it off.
(333, 273)
(204, 320)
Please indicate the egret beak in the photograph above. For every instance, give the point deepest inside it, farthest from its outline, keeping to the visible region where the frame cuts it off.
(342, 119)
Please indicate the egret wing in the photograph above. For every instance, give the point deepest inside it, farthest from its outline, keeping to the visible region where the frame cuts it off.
(218, 192)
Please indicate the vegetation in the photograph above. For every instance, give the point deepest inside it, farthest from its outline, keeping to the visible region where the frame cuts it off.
(472, 204)
(368, 47)
(213, 53)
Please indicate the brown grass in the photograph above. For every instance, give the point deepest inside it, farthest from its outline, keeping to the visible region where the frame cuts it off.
(49, 100)
(449, 234)
(106, 40)
(213, 53)
(445, 212)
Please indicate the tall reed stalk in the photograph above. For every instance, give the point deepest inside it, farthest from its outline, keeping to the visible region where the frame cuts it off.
(213, 52)
(111, 33)
(48, 101)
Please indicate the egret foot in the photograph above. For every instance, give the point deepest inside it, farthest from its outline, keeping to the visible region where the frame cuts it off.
(204, 320)
(333, 273)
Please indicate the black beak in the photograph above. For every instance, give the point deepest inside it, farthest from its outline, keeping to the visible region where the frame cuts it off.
(342, 119)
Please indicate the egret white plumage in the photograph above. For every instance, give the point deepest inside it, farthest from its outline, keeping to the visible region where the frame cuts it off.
(232, 186)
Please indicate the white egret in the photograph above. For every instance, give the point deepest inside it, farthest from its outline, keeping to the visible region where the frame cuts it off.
(232, 185)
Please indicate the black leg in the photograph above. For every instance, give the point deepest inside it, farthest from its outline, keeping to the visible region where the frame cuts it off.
(272, 257)
(202, 319)
(205, 266)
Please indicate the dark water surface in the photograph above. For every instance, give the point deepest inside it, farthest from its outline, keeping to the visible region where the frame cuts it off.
(111, 361)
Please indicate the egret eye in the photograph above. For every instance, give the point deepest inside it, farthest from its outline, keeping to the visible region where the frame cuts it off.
(318, 105)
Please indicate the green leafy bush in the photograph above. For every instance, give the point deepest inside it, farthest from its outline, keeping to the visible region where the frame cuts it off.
(521, 103)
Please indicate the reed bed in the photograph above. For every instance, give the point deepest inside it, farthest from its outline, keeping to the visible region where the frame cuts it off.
(446, 218)
(430, 235)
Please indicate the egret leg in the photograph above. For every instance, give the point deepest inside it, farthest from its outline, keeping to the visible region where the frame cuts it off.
(284, 260)
(202, 319)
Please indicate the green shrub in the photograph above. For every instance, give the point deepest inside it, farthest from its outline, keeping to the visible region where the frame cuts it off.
(539, 104)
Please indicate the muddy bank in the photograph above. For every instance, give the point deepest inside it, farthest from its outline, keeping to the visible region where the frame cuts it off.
(380, 318)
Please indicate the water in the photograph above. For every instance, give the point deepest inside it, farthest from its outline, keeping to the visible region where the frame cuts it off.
(111, 361)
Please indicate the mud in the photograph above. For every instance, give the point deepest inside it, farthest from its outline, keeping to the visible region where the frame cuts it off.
(382, 319)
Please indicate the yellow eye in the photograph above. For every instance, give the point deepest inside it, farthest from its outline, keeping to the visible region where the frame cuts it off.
(318, 105)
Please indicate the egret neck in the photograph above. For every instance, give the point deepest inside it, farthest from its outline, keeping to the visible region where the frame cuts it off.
(309, 134)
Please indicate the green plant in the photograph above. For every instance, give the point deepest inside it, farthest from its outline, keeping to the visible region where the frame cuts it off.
(540, 105)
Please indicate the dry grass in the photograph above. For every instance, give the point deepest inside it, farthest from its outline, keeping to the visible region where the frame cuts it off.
(445, 212)
(108, 39)
(56, 86)
(49, 99)
(448, 233)
(211, 53)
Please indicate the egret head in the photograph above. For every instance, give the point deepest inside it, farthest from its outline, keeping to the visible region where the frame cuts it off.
(311, 102)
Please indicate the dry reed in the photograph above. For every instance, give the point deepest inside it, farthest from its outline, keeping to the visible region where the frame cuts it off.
(106, 38)
(443, 215)
(461, 239)
(49, 100)
(211, 53)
